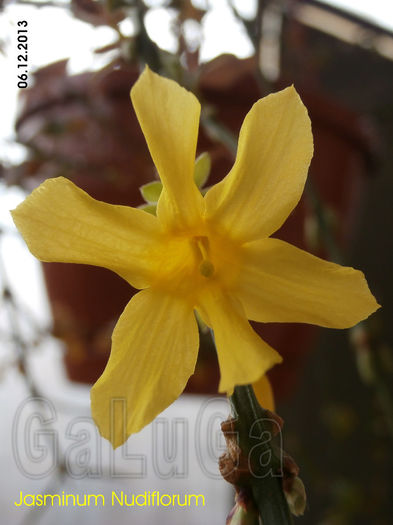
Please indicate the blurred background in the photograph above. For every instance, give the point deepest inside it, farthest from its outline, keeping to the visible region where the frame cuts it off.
(72, 116)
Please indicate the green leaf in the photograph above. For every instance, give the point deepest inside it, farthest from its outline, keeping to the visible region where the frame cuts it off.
(202, 169)
(151, 191)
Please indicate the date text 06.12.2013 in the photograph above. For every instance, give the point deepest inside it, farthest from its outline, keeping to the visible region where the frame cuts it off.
(22, 58)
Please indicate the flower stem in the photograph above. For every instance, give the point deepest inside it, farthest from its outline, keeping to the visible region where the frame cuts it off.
(264, 457)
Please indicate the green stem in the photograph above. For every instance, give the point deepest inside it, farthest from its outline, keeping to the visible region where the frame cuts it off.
(266, 482)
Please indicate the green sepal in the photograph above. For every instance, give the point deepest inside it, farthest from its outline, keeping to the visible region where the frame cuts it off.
(151, 191)
(149, 208)
(202, 169)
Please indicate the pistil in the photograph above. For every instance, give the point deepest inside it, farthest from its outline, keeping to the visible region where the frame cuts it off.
(206, 267)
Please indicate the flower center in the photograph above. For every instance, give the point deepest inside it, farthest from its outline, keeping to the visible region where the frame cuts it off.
(187, 264)
(206, 267)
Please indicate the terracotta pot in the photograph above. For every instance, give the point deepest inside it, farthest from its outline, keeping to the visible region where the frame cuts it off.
(84, 128)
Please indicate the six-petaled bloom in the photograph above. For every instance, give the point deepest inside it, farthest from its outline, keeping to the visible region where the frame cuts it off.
(212, 254)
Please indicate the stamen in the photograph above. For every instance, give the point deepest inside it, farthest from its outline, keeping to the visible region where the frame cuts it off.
(206, 267)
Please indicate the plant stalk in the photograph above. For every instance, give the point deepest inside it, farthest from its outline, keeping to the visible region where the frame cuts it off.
(264, 457)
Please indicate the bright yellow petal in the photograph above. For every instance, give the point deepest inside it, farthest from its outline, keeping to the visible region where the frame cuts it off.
(243, 356)
(154, 351)
(264, 393)
(267, 179)
(281, 283)
(62, 223)
(169, 118)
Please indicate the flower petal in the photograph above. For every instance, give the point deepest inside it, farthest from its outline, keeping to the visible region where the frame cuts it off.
(267, 179)
(281, 283)
(62, 223)
(169, 118)
(243, 356)
(264, 393)
(154, 351)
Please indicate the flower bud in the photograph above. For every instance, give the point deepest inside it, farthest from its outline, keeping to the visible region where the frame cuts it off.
(295, 494)
(239, 516)
(244, 512)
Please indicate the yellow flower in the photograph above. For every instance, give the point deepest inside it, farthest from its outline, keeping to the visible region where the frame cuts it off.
(211, 253)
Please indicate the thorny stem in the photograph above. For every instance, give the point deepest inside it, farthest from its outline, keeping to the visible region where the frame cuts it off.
(254, 31)
(323, 223)
(266, 479)
(49, 3)
(147, 49)
(19, 343)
